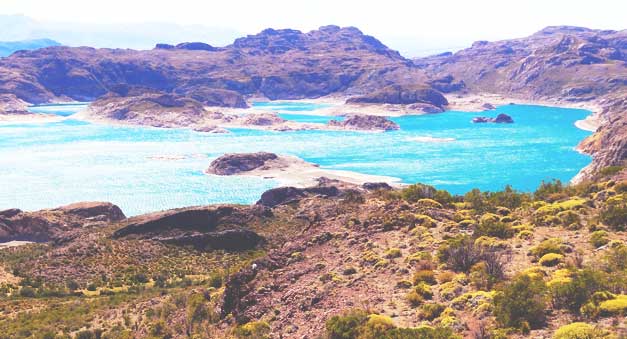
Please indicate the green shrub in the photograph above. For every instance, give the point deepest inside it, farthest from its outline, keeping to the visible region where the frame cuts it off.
(553, 245)
(494, 229)
(253, 330)
(414, 298)
(599, 238)
(577, 331)
(431, 311)
(574, 292)
(424, 276)
(416, 192)
(28, 292)
(346, 326)
(614, 215)
(520, 301)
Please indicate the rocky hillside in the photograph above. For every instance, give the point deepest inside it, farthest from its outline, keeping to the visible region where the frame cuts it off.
(331, 261)
(277, 64)
(562, 65)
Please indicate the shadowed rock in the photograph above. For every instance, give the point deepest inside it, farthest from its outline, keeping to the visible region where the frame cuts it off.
(230, 240)
(234, 163)
(284, 195)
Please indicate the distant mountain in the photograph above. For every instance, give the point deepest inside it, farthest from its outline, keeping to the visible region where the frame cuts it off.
(136, 36)
(8, 47)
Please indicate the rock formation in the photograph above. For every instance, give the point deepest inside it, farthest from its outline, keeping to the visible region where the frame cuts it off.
(500, 119)
(365, 123)
(235, 163)
(55, 224)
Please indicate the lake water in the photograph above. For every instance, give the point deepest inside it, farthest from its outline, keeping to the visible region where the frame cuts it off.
(44, 165)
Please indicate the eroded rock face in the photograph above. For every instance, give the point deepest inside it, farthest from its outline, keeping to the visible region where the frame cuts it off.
(57, 223)
(230, 164)
(365, 123)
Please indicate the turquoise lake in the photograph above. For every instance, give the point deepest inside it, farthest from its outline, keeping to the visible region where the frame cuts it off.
(44, 165)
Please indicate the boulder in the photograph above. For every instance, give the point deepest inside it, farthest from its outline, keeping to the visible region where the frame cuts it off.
(234, 163)
(375, 186)
(503, 119)
(365, 123)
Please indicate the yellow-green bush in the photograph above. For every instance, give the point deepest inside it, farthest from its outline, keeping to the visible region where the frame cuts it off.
(599, 238)
(614, 307)
(253, 330)
(552, 245)
(577, 331)
(551, 259)
(392, 253)
(428, 203)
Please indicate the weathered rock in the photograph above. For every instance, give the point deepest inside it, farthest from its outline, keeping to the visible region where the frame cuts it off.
(200, 219)
(230, 164)
(196, 46)
(211, 129)
(109, 211)
(284, 195)
(56, 224)
(365, 123)
(375, 186)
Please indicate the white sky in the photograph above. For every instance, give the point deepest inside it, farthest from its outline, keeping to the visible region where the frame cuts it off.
(433, 24)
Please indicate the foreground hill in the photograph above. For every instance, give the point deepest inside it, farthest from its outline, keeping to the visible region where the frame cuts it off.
(331, 261)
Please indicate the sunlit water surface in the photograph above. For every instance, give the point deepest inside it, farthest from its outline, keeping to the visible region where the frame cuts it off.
(148, 169)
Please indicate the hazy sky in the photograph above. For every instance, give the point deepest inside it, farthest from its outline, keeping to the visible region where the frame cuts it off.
(410, 26)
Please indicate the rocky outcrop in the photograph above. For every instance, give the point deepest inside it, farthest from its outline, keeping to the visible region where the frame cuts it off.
(57, 223)
(235, 163)
(286, 195)
(365, 123)
(217, 97)
(403, 95)
(205, 228)
(263, 119)
(500, 119)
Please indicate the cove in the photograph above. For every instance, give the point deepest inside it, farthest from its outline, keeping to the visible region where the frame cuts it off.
(44, 165)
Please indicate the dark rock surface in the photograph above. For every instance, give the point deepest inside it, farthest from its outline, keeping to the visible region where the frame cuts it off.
(229, 240)
(500, 119)
(365, 123)
(284, 195)
(234, 163)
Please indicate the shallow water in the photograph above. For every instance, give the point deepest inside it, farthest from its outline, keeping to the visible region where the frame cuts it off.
(147, 169)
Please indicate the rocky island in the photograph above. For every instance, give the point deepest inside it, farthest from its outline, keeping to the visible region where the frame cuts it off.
(288, 170)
